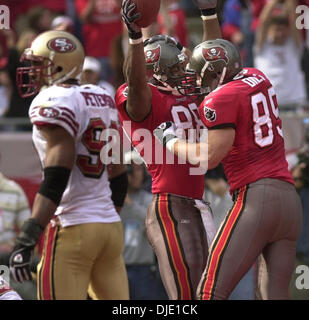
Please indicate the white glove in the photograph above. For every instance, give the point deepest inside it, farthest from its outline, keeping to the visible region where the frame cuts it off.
(166, 134)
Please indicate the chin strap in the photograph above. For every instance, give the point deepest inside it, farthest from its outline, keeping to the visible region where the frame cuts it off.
(165, 86)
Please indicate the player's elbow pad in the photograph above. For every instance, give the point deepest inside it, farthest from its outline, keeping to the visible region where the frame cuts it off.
(54, 183)
(119, 187)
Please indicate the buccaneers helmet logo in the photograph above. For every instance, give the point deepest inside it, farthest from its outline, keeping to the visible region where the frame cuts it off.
(215, 53)
(61, 45)
(153, 55)
(210, 114)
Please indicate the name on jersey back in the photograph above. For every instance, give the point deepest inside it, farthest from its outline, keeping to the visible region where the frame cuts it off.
(97, 100)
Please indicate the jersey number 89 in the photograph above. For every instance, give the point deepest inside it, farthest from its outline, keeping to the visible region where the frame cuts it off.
(263, 119)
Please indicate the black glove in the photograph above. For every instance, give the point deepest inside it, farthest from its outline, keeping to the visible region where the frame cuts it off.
(166, 132)
(21, 255)
(129, 18)
(207, 7)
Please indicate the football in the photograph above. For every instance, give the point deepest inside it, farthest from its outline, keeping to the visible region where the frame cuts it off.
(149, 10)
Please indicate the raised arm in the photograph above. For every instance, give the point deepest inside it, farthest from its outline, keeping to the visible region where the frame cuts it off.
(291, 11)
(139, 95)
(211, 26)
(86, 14)
(264, 18)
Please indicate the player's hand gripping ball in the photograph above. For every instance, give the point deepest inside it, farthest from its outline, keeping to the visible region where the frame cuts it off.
(149, 10)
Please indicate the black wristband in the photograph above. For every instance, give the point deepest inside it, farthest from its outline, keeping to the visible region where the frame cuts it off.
(30, 233)
(135, 35)
(208, 12)
(119, 186)
(54, 183)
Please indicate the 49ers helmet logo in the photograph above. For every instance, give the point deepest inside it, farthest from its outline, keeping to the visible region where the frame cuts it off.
(62, 45)
(153, 55)
(215, 53)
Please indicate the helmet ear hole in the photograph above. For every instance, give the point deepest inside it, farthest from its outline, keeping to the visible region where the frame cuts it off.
(59, 69)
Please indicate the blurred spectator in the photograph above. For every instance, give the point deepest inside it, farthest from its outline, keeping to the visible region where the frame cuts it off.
(256, 6)
(63, 23)
(101, 24)
(18, 106)
(91, 74)
(236, 27)
(217, 194)
(190, 8)
(144, 279)
(118, 50)
(14, 210)
(39, 19)
(5, 87)
(305, 60)
(301, 178)
(19, 10)
(172, 21)
(278, 51)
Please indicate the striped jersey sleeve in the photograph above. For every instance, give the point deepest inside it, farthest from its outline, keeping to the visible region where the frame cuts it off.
(48, 109)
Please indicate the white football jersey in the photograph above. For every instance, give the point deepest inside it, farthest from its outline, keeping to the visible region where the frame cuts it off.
(84, 111)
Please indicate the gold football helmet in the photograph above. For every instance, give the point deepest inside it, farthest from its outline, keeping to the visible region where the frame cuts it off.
(54, 57)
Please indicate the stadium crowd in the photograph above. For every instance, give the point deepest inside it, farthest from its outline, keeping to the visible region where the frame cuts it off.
(267, 36)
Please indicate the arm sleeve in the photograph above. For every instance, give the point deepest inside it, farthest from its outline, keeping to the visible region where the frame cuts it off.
(121, 95)
(220, 110)
(55, 111)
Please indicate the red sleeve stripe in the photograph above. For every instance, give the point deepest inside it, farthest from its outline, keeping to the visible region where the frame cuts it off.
(33, 114)
(5, 288)
(33, 111)
(69, 116)
(72, 126)
(59, 119)
(68, 110)
(43, 124)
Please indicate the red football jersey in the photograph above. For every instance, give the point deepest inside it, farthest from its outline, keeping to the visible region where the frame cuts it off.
(169, 173)
(249, 105)
(105, 25)
(179, 22)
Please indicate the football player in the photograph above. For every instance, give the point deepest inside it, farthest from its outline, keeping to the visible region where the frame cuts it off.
(244, 132)
(84, 238)
(174, 221)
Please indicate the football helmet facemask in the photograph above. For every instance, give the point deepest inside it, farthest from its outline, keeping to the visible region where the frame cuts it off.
(216, 62)
(165, 57)
(54, 57)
